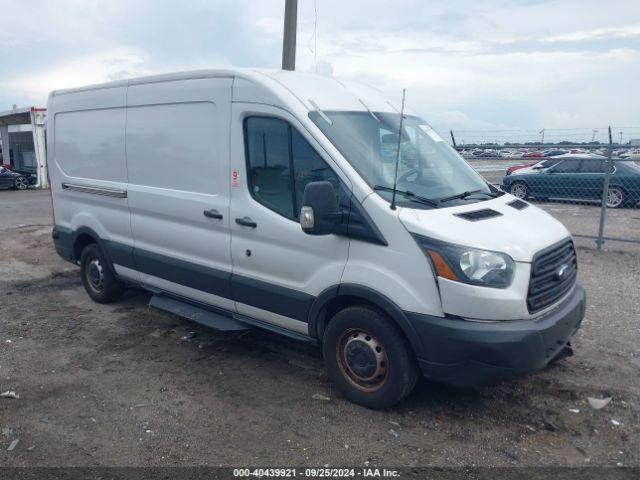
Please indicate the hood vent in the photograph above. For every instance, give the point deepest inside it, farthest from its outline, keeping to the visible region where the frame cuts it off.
(478, 215)
(518, 204)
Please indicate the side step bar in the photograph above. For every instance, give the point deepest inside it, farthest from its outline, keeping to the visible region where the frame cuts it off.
(196, 314)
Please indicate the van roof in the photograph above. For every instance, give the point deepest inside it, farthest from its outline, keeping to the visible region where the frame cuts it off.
(309, 89)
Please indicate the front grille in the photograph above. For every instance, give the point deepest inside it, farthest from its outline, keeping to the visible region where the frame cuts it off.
(547, 285)
(478, 215)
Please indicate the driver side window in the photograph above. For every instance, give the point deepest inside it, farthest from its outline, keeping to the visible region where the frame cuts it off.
(281, 163)
(568, 166)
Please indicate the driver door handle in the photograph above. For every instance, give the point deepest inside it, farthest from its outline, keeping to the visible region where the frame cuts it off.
(213, 213)
(246, 222)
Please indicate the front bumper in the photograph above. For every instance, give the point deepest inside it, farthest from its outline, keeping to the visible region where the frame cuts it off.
(471, 353)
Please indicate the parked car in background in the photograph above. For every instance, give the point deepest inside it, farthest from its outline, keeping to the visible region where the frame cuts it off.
(511, 154)
(9, 179)
(547, 163)
(532, 155)
(553, 153)
(577, 178)
(631, 155)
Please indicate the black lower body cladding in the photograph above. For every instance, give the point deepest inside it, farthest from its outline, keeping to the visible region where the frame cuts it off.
(454, 351)
(63, 239)
(280, 300)
(472, 353)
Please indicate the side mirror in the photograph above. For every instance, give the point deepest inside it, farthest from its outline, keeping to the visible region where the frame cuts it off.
(319, 214)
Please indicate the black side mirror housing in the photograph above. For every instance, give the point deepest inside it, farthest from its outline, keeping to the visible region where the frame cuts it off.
(320, 214)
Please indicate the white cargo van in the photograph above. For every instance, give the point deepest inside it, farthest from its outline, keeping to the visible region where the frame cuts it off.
(247, 198)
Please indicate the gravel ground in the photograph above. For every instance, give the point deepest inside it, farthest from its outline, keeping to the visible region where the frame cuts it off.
(117, 385)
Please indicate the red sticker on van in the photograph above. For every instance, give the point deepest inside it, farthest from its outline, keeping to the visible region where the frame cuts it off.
(235, 179)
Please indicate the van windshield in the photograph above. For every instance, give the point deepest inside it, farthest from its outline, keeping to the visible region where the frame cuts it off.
(428, 167)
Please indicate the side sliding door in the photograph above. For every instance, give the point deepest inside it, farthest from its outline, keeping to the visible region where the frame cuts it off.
(177, 140)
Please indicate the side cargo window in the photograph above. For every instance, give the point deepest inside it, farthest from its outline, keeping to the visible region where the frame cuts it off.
(281, 163)
(592, 166)
(567, 166)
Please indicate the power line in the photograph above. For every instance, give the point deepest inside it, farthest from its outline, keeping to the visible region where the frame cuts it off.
(314, 36)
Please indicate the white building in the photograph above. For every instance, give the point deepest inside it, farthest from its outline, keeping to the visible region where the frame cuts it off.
(22, 137)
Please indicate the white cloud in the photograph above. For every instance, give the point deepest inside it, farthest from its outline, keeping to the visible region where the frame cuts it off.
(73, 72)
(475, 64)
(596, 33)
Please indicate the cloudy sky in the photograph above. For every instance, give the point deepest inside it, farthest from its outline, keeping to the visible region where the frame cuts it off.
(467, 65)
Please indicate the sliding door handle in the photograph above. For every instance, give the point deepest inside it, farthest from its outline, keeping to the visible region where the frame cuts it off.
(246, 222)
(213, 213)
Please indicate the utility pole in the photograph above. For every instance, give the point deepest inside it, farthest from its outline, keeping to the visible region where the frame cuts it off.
(289, 37)
(593, 137)
(542, 133)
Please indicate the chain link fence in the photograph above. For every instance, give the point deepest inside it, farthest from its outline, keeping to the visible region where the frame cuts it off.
(592, 186)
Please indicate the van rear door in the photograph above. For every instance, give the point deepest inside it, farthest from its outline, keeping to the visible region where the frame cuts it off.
(178, 163)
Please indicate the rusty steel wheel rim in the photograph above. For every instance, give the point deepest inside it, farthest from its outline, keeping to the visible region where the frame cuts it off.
(362, 360)
(95, 275)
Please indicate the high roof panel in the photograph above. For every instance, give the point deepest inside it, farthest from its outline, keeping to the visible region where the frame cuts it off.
(327, 92)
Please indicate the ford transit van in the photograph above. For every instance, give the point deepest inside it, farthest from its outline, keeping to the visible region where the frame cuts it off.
(307, 206)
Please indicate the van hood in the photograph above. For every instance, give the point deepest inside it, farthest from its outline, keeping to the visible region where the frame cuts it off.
(518, 233)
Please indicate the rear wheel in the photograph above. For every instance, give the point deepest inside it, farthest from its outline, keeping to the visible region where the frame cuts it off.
(21, 183)
(519, 190)
(368, 359)
(101, 285)
(615, 197)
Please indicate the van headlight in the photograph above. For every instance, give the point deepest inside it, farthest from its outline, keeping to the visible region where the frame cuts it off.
(468, 265)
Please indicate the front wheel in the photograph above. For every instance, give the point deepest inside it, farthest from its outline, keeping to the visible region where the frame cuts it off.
(519, 190)
(99, 282)
(615, 197)
(21, 183)
(368, 358)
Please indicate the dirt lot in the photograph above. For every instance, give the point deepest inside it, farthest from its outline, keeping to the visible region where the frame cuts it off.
(117, 385)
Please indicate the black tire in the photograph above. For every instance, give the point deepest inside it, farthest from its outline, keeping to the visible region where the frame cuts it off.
(21, 183)
(357, 332)
(519, 190)
(98, 280)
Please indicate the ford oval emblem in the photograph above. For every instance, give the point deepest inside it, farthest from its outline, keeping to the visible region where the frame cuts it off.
(561, 272)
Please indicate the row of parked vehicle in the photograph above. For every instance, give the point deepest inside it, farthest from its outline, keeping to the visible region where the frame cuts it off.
(632, 154)
(576, 177)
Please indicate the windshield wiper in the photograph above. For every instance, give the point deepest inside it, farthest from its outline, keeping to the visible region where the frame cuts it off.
(410, 195)
(463, 195)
